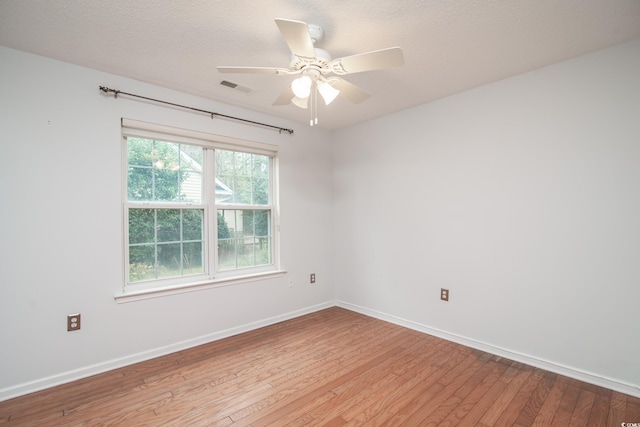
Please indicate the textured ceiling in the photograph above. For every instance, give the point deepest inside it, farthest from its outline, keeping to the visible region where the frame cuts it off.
(449, 46)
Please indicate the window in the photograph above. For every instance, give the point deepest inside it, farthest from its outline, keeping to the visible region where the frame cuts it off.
(197, 208)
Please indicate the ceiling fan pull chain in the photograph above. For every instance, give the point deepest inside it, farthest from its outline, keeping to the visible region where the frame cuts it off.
(312, 106)
(315, 101)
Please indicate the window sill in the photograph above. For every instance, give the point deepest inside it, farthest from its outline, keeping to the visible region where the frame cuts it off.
(130, 296)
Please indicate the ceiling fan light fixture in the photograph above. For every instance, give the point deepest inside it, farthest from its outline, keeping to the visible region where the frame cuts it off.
(300, 102)
(301, 86)
(328, 92)
(313, 66)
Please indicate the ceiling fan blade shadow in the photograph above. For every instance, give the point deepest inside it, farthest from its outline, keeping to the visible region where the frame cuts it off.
(368, 61)
(296, 34)
(349, 91)
(253, 70)
(285, 97)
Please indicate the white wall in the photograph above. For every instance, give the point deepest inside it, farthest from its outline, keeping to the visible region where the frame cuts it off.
(523, 198)
(60, 227)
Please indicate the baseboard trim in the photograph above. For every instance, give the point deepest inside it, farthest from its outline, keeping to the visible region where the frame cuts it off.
(66, 377)
(87, 371)
(611, 384)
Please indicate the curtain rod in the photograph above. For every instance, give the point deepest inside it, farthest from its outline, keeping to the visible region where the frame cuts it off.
(211, 113)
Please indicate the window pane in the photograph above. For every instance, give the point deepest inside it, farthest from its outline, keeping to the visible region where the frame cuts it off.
(168, 225)
(263, 251)
(192, 258)
(141, 226)
(261, 166)
(246, 257)
(224, 163)
(242, 178)
(191, 173)
(169, 260)
(242, 163)
(142, 263)
(191, 156)
(244, 238)
(192, 224)
(261, 191)
(224, 174)
(140, 183)
(139, 152)
(164, 171)
(262, 223)
(166, 185)
(242, 193)
(226, 254)
(165, 154)
(165, 243)
(191, 187)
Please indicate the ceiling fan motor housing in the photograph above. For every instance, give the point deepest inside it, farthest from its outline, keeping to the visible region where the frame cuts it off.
(322, 60)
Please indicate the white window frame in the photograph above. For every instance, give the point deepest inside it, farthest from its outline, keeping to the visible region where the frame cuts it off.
(211, 278)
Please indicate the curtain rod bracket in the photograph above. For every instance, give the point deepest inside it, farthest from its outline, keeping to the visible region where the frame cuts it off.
(211, 113)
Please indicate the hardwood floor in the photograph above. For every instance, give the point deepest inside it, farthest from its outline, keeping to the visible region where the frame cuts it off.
(330, 368)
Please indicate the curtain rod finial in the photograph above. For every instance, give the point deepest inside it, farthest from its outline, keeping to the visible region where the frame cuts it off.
(107, 90)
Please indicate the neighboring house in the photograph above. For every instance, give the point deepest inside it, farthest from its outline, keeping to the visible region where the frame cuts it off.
(191, 188)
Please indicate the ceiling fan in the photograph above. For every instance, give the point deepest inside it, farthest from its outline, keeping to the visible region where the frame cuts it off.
(318, 71)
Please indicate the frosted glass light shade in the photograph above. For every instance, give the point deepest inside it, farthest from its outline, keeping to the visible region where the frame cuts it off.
(328, 92)
(301, 87)
(300, 102)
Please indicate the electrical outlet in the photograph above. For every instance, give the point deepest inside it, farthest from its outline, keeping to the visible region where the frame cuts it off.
(312, 278)
(444, 294)
(291, 283)
(73, 322)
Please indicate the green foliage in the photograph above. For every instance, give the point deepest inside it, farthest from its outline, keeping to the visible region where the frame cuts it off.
(165, 242)
(157, 169)
(139, 271)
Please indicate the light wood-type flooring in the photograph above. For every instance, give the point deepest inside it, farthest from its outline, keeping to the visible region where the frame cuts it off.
(329, 368)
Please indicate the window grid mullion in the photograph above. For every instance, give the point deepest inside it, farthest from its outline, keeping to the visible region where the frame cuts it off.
(156, 262)
(211, 215)
(245, 228)
(153, 173)
(181, 242)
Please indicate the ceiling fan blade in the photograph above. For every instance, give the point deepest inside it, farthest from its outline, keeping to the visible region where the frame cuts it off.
(349, 91)
(285, 97)
(375, 60)
(296, 34)
(267, 70)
